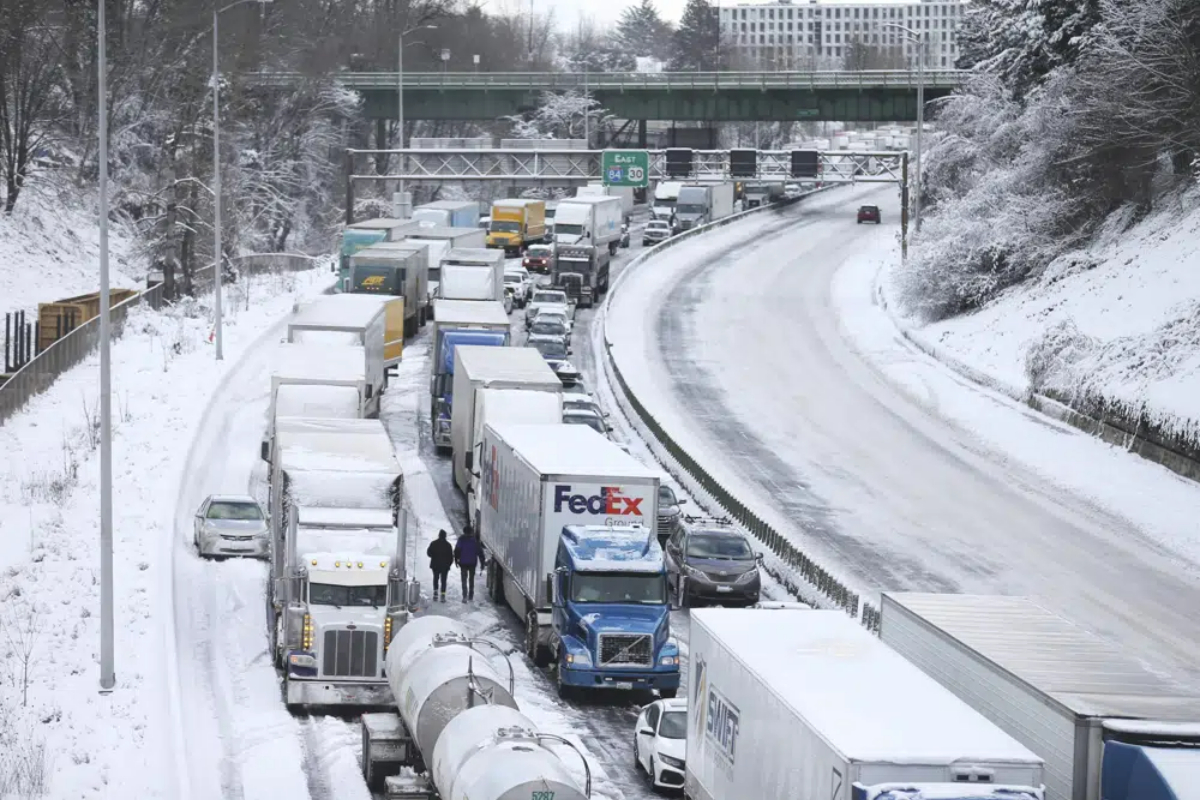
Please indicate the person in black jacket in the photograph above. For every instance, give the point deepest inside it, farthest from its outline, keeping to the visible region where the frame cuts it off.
(441, 558)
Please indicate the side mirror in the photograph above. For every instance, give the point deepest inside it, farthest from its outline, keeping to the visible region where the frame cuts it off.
(645, 732)
(468, 460)
(758, 557)
(608, 428)
(266, 450)
(570, 351)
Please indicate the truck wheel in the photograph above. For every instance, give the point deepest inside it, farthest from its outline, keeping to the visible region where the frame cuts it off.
(533, 648)
(565, 691)
(613, 247)
(668, 694)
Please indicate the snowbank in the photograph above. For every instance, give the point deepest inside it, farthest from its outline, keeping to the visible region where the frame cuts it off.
(50, 250)
(1115, 326)
(163, 375)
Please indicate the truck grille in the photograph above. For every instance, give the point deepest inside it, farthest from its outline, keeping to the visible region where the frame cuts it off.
(625, 650)
(351, 654)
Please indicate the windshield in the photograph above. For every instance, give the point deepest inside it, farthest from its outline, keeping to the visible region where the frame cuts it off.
(505, 227)
(599, 587)
(568, 229)
(673, 725)
(658, 226)
(237, 511)
(381, 280)
(510, 278)
(666, 497)
(690, 209)
(550, 297)
(554, 348)
(548, 328)
(719, 546)
(327, 594)
(538, 252)
(595, 423)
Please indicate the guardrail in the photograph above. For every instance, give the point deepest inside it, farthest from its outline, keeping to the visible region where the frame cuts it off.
(551, 81)
(795, 562)
(42, 370)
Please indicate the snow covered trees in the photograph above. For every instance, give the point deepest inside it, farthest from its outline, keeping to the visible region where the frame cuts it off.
(641, 31)
(696, 44)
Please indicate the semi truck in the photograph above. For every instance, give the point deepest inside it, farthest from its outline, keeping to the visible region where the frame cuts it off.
(343, 319)
(582, 272)
(480, 368)
(700, 205)
(666, 195)
(339, 589)
(535, 480)
(442, 240)
(589, 222)
(392, 269)
(1108, 727)
(520, 405)
(472, 274)
(623, 193)
(516, 224)
(448, 214)
(800, 703)
(761, 194)
(611, 619)
(358, 235)
(459, 733)
(459, 322)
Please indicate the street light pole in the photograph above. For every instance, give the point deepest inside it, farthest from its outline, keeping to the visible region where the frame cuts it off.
(400, 98)
(108, 677)
(587, 110)
(919, 38)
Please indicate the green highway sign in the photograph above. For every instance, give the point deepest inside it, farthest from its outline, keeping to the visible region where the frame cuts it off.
(625, 168)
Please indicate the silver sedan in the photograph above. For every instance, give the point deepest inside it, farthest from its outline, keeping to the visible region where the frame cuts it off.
(231, 525)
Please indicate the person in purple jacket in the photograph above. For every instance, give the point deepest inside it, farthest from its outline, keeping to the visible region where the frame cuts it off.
(466, 556)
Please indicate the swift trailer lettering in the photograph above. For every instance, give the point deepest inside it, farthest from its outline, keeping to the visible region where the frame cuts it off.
(721, 725)
(608, 501)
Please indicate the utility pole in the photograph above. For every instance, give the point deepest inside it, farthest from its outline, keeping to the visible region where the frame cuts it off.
(108, 676)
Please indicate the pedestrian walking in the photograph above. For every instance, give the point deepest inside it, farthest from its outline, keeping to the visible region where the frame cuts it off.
(466, 556)
(441, 557)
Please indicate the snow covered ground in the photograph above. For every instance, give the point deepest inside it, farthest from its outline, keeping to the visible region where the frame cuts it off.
(1120, 319)
(125, 743)
(50, 250)
(761, 350)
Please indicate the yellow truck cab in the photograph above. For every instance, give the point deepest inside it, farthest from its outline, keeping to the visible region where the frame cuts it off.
(516, 224)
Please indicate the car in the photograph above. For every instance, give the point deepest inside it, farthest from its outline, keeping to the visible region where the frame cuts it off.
(231, 525)
(578, 416)
(538, 258)
(660, 742)
(656, 230)
(549, 328)
(792, 190)
(869, 214)
(577, 389)
(556, 354)
(553, 314)
(515, 282)
(550, 299)
(670, 512)
(582, 403)
(712, 562)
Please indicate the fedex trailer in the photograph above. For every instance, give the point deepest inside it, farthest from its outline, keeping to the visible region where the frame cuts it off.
(534, 481)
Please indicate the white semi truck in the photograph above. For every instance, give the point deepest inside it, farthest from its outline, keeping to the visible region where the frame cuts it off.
(666, 195)
(701, 204)
(624, 193)
(339, 590)
(589, 222)
(534, 481)
(348, 319)
(1107, 725)
(471, 274)
(489, 367)
(794, 703)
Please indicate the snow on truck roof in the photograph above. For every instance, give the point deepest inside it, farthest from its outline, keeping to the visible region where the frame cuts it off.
(866, 700)
(336, 445)
(1082, 672)
(506, 364)
(316, 400)
(473, 256)
(504, 403)
(339, 311)
(603, 548)
(448, 313)
(319, 362)
(355, 518)
(570, 450)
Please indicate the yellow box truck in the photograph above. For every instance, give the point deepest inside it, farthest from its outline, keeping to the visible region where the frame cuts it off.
(516, 224)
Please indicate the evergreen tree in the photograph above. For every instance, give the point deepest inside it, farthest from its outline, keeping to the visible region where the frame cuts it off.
(643, 32)
(696, 43)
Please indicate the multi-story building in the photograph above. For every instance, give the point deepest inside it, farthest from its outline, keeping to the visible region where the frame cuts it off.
(839, 34)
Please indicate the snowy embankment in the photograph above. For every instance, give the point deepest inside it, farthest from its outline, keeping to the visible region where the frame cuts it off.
(1114, 327)
(164, 373)
(50, 250)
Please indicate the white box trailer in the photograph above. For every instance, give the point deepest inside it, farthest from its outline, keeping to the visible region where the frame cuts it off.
(448, 214)
(803, 704)
(589, 221)
(525, 406)
(437, 250)
(350, 319)
(489, 367)
(304, 373)
(624, 193)
(536, 479)
(472, 274)
(1085, 705)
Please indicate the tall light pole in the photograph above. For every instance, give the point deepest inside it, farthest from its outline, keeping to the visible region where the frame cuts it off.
(400, 92)
(218, 254)
(108, 675)
(919, 38)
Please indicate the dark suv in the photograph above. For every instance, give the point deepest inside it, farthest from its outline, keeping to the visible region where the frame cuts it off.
(713, 563)
(869, 214)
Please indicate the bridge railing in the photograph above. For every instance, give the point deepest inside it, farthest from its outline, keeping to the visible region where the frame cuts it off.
(552, 81)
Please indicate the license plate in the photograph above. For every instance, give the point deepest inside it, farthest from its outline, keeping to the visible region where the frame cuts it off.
(623, 685)
(724, 588)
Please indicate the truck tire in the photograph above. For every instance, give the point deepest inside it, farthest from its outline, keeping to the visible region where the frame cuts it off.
(668, 694)
(495, 582)
(565, 691)
(537, 652)
(613, 247)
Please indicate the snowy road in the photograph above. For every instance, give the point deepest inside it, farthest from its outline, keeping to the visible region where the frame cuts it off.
(745, 355)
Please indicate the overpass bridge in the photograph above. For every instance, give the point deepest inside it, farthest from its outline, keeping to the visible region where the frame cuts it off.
(866, 96)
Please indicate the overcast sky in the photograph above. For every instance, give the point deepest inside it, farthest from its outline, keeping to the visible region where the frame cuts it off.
(566, 12)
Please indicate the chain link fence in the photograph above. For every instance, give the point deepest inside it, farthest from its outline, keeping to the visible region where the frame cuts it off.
(791, 565)
(42, 370)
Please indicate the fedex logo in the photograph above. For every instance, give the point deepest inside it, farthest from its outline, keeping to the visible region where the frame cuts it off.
(609, 501)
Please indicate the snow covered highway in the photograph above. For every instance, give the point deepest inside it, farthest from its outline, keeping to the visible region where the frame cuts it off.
(759, 348)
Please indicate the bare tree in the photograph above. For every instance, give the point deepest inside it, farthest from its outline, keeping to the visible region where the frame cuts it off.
(20, 629)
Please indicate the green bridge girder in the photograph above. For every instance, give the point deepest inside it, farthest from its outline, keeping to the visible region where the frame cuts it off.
(874, 96)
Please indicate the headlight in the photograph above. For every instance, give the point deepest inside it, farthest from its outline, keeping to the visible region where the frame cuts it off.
(746, 577)
(677, 763)
(581, 660)
(692, 572)
(669, 661)
(301, 660)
